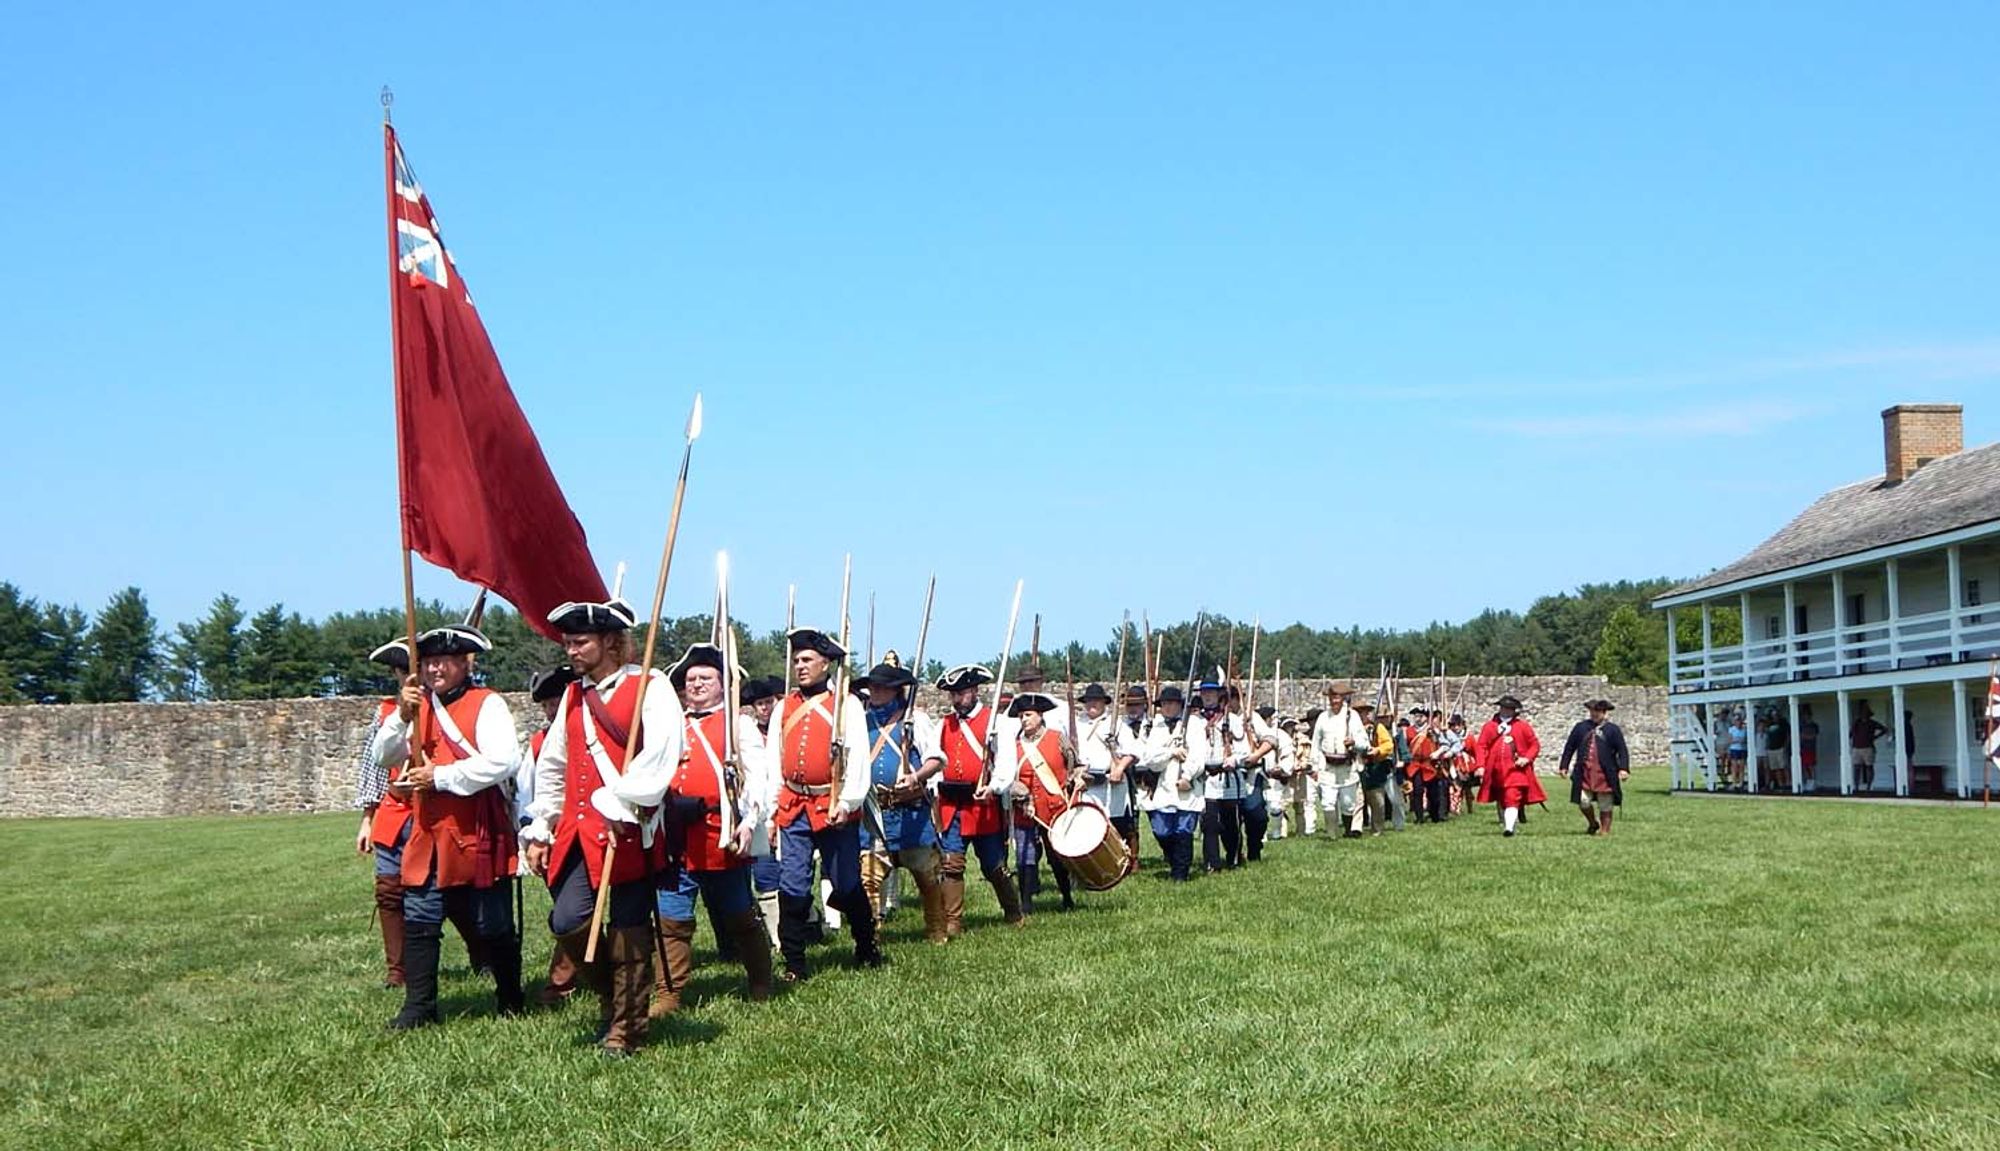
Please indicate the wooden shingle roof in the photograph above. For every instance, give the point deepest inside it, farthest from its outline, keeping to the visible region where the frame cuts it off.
(1955, 492)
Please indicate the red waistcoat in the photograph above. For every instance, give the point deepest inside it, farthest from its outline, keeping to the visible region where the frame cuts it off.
(392, 811)
(470, 839)
(700, 845)
(1046, 804)
(805, 757)
(1423, 748)
(581, 827)
(963, 742)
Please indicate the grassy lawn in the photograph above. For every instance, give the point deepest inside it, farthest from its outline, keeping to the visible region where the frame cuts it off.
(1721, 973)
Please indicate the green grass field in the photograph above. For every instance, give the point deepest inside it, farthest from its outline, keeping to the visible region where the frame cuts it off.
(1721, 973)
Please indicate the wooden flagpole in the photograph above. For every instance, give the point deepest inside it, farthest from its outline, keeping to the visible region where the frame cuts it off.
(396, 382)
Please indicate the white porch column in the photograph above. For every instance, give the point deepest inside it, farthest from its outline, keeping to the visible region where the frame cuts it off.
(1896, 734)
(1791, 630)
(1715, 744)
(1954, 575)
(1743, 613)
(1798, 757)
(1961, 722)
(1707, 650)
(1839, 635)
(1846, 752)
(1894, 619)
(1674, 651)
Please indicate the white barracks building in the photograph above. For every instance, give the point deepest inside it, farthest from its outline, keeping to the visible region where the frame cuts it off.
(1882, 598)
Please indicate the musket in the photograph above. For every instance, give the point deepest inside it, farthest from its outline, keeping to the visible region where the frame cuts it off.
(870, 661)
(1250, 691)
(910, 701)
(1145, 654)
(839, 686)
(791, 616)
(645, 670)
(1070, 784)
(1035, 645)
(993, 724)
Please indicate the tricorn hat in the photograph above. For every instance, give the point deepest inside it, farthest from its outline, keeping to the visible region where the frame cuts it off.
(395, 653)
(812, 639)
(885, 674)
(1508, 701)
(452, 639)
(1599, 705)
(1095, 692)
(546, 685)
(581, 617)
(1031, 701)
(696, 655)
(762, 687)
(963, 676)
(1266, 710)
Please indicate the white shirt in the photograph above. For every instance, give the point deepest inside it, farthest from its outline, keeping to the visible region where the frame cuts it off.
(1218, 740)
(1179, 788)
(1094, 738)
(853, 722)
(644, 780)
(494, 759)
(1340, 733)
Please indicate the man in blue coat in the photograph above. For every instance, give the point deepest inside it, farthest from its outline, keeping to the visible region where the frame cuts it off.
(1602, 765)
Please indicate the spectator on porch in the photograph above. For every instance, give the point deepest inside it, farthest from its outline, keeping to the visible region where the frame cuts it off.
(1808, 746)
(1861, 739)
(1737, 750)
(1778, 750)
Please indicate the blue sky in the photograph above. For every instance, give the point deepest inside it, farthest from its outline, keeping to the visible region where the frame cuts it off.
(1145, 303)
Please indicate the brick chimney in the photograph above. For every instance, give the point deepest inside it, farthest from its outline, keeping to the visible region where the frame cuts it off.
(1915, 434)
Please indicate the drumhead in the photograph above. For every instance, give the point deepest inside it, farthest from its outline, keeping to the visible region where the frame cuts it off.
(1078, 831)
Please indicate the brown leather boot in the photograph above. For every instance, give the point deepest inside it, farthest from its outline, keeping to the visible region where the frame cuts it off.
(1604, 822)
(1009, 896)
(630, 981)
(930, 892)
(389, 909)
(1590, 821)
(753, 947)
(562, 980)
(875, 869)
(951, 893)
(677, 941)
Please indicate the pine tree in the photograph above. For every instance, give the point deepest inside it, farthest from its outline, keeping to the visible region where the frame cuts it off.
(205, 658)
(122, 651)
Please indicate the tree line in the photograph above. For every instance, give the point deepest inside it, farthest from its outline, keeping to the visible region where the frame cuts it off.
(53, 653)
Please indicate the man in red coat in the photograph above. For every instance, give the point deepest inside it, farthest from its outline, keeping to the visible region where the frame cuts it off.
(1506, 748)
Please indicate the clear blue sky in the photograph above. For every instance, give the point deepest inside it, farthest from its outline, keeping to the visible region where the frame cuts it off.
(1017, 280)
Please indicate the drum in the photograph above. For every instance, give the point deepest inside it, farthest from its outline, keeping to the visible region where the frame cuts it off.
(1089, 846)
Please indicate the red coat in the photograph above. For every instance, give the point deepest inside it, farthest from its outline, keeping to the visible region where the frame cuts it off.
(1044, 804)
(697, 841)
(469, 839)
(1497, 766)
(581, 827)
(805, 758)
(963, 742)
(392, 811)
(1423, 748)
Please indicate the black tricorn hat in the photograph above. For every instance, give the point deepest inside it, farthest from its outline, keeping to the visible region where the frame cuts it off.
(1508, 701)
(696, 655)
(546, 685)
(885, 674)
(1267, 711)
(812, 639)
(1095, 692)
(1172, 693)
(963, 676)
(762, 687)
(1031, 701)
(1599, 705)
(452, 639)
(395, 653)
(582, 617)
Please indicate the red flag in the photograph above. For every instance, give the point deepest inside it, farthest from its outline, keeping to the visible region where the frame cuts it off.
(478, 498)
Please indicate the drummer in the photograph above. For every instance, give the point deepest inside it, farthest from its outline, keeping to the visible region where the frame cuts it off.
(1104, 773)
(1044, 789)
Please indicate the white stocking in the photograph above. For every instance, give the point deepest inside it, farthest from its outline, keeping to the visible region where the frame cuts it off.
(1510, 817)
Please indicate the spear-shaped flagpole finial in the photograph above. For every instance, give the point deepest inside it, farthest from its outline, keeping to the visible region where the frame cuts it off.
(388, 98)
(694, 420)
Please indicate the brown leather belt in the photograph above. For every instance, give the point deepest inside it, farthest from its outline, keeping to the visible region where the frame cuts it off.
(810, 788)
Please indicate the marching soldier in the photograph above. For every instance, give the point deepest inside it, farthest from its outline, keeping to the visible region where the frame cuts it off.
(821, 787)
(753, 727)
(1378, 767)
(1261, 739)
(588, 798)
(1430, 767)
(1305, 774)
(1105, 771)
(1216, 743)
(546, 689)
(1465, 774)
(1174, 803)
(713, 808)
(1339, 739)
(1042, 792)
(1281, 771)
(969, 788)
(1597, 747)
(459, 852)
(902, 758)
(1507, 748)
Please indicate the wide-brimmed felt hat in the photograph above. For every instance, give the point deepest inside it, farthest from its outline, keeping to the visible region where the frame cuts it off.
(585, 617)
(547, 684)
(1339, 687)
(1136, 693)
(1031, 701)
(886, 674)
(1095, 693)
(1362, 705)
(1031, 674)
(453, 639)
(1172, 694)
(963, 676)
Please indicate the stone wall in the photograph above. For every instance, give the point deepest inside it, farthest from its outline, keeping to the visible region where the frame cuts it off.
(148, 759)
